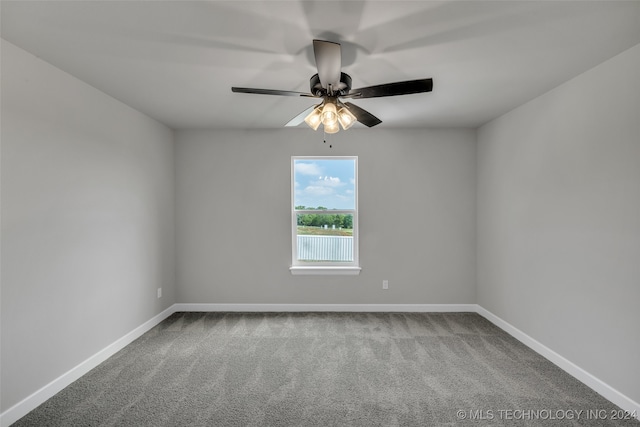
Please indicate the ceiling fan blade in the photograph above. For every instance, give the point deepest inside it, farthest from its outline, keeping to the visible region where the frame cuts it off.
(271, 92)
(328, 61)
(300, 117)
(363, 116)
(392, 89)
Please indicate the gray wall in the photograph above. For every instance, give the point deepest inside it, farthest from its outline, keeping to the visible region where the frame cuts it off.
(233, 230)
(559, 220)
(87, 222)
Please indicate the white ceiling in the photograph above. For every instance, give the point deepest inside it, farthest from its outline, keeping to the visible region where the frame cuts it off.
(177, 60)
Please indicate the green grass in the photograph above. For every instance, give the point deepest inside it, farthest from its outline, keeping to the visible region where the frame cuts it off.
(318, 231)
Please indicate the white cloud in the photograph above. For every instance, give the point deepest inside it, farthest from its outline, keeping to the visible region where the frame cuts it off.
(307, 169)
(318, 190)
(324, 187)
(328, 181)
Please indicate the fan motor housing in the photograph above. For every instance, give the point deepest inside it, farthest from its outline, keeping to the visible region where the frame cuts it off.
(343, 88)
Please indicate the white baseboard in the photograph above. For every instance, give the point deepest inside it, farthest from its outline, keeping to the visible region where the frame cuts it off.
(571, 368)
(416, 308)
(31, 402)
(28, 404)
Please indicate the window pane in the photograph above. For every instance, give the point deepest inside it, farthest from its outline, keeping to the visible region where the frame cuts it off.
(325, 237)
(324, 183)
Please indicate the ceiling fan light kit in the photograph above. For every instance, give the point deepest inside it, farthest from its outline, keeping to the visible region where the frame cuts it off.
(330, 84)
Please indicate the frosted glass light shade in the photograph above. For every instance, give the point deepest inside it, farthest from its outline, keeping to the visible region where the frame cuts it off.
(329, 114)
(332, 128)
(346, 118)
(314, 118)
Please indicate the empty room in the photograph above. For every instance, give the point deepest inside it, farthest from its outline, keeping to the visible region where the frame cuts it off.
(300, 213)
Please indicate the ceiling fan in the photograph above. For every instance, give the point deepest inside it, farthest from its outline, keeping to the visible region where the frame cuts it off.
(331, 84)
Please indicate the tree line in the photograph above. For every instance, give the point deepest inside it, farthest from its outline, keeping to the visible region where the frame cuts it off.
(322, 219)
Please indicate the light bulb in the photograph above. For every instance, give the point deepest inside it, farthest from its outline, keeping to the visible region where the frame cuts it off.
(314, 118)
(329, 114)
(346, 118)
(332, 128)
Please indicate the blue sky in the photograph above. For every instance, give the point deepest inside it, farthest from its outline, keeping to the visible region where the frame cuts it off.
(324, 182)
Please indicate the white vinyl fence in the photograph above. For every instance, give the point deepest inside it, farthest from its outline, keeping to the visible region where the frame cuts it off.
(325, 248)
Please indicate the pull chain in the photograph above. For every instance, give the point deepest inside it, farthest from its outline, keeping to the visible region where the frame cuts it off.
(324, 137)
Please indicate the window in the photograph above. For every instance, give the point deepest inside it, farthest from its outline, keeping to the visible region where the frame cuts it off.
(324, 215)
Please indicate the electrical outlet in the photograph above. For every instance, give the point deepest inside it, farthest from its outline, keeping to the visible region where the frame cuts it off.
(385, 284)
(159, 292)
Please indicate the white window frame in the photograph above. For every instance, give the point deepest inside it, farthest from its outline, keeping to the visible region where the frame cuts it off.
(324, 268)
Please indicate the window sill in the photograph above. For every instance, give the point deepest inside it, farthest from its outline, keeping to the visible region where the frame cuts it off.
(297, 270)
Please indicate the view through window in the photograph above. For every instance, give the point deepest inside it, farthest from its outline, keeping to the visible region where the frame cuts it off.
(324, 211)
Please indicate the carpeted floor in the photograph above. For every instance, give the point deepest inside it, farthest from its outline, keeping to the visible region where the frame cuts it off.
(325, 369)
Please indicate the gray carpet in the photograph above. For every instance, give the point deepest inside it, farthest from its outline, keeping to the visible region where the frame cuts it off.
(325, 369)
